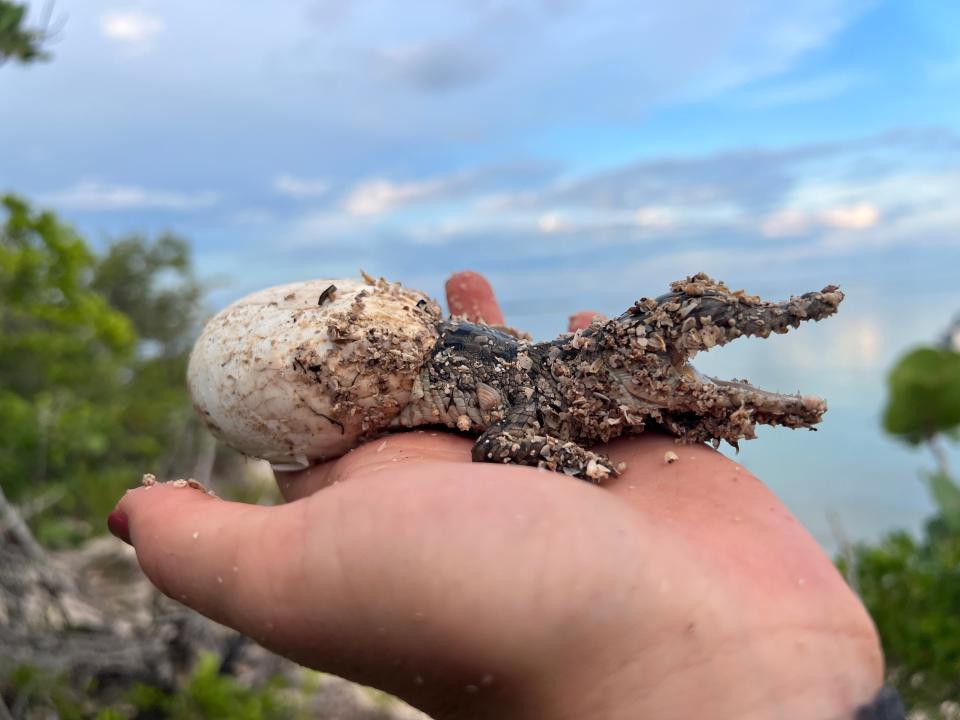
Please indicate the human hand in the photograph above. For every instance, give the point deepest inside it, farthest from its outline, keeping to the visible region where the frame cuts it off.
(480, 591)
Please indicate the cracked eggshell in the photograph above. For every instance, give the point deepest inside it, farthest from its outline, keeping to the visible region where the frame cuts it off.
(280, 377)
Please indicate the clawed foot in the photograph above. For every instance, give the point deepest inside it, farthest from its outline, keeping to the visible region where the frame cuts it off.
(499, 446)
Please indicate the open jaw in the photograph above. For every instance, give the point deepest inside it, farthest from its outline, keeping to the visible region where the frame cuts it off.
(701, 314)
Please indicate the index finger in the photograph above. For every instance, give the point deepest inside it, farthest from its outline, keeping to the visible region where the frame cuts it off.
(470, 295)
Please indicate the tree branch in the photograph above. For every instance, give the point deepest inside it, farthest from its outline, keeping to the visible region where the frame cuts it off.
(940, 454)
(11, 523)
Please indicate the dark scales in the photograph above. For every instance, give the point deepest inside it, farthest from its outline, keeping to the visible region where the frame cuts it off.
(543, 404)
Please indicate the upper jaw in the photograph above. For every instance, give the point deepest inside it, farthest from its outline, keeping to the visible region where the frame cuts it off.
(701, 313)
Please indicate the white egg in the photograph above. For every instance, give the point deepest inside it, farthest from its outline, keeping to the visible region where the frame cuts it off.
(299, 373)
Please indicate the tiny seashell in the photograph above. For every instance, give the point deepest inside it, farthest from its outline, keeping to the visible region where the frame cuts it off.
(488, 397)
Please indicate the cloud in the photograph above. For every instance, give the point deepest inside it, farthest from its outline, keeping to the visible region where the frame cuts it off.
(252, 216)
(784, 192)
(93, 195)
(299, 188)
(654, 217)
(785, 223)
(809, 90)
(380, 195)
(772, 39)
(830, 200)
(757, 178)
(647, 218)
(131, 27)
(375, 197)
(792, 222)
(438, 67)
(459, 69)
(551, 223)
(854, 217)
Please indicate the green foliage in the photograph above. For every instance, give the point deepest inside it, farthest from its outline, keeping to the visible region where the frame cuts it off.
(40, 692)
(18, 42)
(912, 586)
(912, 590)
(62, 353)
(208, 694)
(154, 286)
(205, 695)
(93, 353)
(946, 495)
(924, 395)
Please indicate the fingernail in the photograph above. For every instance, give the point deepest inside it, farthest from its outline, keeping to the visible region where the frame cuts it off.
(119, 525)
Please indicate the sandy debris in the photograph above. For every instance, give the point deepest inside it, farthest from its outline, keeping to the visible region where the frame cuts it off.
(149, 480)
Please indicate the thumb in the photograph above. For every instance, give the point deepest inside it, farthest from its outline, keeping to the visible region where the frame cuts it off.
(365, 579)
(224, 559)
(279, 575)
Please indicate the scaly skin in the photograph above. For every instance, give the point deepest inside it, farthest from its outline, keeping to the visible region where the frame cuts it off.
(540, 404)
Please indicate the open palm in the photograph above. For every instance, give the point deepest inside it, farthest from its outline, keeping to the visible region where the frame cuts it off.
(676, 590)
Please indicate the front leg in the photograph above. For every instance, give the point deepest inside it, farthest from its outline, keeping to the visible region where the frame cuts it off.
(520, 440)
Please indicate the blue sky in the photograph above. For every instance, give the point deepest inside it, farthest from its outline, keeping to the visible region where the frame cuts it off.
(579, 152)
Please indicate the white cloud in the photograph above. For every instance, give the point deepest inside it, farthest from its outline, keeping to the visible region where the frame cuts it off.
(654, 217)
(904, 186)
(297, 187)
(551, 223)
(93, 195)
(907, 202)
(785, 223)
(377, 196)
(132, 27)
(853, 217)
(826, 198)
(792, 222)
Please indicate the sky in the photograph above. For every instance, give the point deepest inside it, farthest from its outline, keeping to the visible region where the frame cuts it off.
(581, 153)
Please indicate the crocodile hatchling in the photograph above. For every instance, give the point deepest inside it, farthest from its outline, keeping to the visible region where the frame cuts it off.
(305, 372)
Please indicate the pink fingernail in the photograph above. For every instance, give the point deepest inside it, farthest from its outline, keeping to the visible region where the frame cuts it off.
(119, 525)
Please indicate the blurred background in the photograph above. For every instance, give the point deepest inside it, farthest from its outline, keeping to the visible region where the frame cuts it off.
(164, 158)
